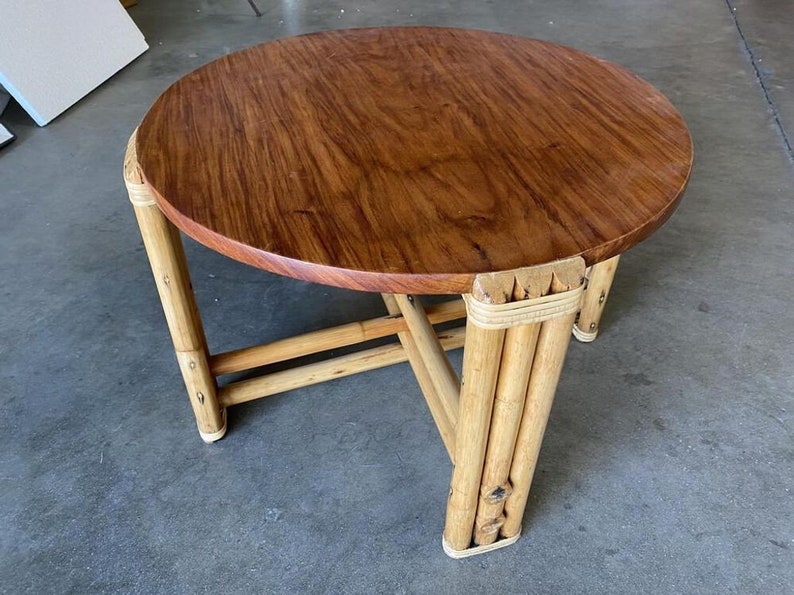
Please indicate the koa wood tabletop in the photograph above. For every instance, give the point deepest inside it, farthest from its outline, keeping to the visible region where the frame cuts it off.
(413, 161)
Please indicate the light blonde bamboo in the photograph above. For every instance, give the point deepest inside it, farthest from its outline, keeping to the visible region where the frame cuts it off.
(169, 267)
(599, 282)
(511, 391)
(553, 340)
(481, 358)
(201, 386)
(338, 367)
(326, 339)
(442, 375)
(167, 259)
(444, 422)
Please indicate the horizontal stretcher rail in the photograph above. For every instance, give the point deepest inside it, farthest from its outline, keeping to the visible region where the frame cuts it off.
(326, 339)
(338, 367)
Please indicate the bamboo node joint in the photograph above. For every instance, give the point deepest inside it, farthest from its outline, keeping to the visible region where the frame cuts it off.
(490, 526)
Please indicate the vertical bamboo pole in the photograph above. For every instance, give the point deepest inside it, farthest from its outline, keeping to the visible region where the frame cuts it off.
(169, 267)
(481, 360)
(599, 282)
(438, 409)
(553, 340)
(435, 359)
(511, 390)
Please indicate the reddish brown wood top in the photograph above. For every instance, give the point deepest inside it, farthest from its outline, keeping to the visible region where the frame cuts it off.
(410, 159)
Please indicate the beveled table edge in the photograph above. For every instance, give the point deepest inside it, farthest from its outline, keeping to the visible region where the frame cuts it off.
(384, 282)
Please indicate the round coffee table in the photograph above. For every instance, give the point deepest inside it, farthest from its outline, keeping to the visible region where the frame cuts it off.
(414, 161)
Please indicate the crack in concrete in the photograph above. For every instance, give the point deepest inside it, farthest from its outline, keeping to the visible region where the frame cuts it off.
(761, 82)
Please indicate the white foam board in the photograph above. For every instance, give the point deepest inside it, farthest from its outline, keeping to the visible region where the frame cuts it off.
(5, 136)
(54, 53)
(4, 99)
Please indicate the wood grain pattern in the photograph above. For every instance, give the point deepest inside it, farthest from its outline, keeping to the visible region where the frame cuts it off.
(408, 160)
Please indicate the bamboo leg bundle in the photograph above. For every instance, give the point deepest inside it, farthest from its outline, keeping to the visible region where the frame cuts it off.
(517, 356)
(497, 432)
(167, 259)
(599, 282)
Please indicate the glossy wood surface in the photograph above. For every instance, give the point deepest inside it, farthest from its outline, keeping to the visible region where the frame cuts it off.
(410, 159)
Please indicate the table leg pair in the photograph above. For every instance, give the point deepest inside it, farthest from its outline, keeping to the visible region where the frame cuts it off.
(491, 422)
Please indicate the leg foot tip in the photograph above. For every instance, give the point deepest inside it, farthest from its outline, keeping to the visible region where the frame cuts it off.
(479, 549)
(210, 437)
(584, 336)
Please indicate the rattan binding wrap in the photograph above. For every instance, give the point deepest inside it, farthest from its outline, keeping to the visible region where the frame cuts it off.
(140, 195)
(502, 316)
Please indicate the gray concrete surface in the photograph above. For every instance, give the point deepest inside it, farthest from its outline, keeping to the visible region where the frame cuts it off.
(668, 465)
(767, 30)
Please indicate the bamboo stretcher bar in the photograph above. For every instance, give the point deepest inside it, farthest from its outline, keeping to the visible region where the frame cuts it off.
(338, 367)
(445, 422)
(326, 339)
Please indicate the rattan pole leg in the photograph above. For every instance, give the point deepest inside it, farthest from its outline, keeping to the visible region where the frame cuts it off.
(599, 282)
(169, 267)
(511, 392)
(435, 359)
(435, 402)
(481, 357)
(555, 335)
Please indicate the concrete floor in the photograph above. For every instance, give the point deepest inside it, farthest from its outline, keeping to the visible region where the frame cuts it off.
(668, 465)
